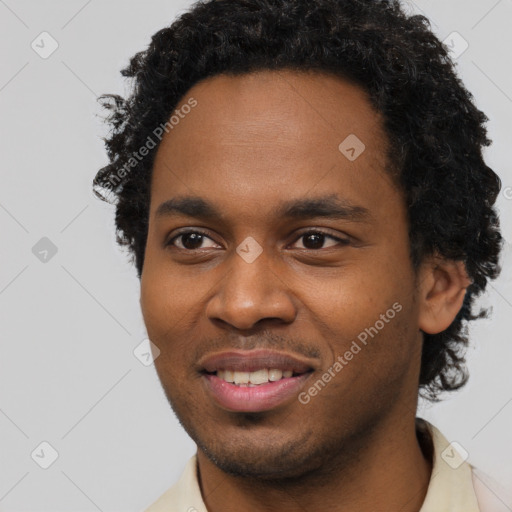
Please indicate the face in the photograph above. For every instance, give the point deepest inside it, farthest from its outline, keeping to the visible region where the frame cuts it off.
(307, 256)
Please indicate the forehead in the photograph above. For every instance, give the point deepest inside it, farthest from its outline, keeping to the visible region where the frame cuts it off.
(253, 138)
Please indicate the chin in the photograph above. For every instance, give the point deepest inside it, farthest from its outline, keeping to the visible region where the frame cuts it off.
(269, 462)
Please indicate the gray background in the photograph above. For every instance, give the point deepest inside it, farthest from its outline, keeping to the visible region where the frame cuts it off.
(69, 325)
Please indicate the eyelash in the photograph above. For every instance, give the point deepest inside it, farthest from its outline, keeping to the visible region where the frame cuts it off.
(341, 241)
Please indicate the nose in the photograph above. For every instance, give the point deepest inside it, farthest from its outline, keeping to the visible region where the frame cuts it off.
(250, 293)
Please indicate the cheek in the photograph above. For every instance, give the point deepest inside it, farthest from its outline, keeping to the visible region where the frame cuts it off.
(162, 310)
(170, 305)
(354, 298)
(368, 317)
(165, 294)
(165, 309)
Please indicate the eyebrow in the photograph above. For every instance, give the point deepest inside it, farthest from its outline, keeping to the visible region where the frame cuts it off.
(330, 206)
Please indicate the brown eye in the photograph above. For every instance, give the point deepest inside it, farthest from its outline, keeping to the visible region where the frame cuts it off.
(314, 240)
(190, 240)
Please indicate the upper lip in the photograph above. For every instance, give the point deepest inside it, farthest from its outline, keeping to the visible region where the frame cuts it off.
(252, 360)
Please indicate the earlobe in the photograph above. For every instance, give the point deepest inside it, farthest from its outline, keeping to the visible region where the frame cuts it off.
(442, 288)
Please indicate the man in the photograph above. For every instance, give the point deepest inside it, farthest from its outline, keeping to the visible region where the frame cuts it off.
(302, 188)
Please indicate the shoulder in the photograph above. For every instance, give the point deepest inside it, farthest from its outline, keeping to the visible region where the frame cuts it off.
(491, 496)
(455, 483)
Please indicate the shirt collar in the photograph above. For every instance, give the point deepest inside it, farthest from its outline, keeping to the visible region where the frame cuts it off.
(451, 486)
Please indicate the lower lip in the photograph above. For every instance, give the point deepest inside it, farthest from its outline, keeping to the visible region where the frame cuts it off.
(254, 399)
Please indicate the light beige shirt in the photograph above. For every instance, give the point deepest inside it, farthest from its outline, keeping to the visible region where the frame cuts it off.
(455, 485)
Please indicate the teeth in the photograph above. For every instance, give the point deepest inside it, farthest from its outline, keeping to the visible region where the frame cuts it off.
(259, 377)
(241, 377)
(274, 375)
(254, 378)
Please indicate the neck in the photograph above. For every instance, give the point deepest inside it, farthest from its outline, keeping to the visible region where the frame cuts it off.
(387, 470)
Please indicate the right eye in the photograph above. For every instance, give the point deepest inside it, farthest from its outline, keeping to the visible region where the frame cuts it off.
(190, 240)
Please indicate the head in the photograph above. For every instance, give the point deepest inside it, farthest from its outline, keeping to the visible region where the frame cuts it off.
(264, 121)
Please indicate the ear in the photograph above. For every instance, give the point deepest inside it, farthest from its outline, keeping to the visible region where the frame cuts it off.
(442, 287)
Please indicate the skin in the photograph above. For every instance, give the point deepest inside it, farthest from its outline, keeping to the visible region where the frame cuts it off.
(252, 142)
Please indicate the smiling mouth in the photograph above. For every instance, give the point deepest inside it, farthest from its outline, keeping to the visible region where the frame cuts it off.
(255, 378)
(251, 397)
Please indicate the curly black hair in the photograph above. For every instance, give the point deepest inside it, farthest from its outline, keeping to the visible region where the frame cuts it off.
(436, 133)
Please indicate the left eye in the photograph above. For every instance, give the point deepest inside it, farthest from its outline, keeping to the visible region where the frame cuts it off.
(316, 239)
